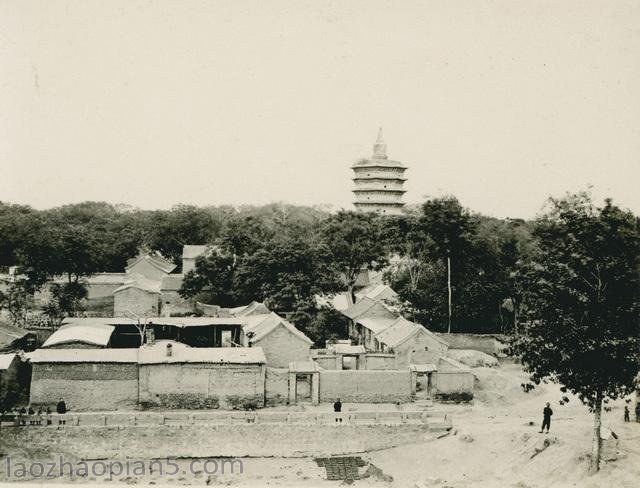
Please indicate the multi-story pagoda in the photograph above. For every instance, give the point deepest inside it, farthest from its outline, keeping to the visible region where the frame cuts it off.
(379, 182)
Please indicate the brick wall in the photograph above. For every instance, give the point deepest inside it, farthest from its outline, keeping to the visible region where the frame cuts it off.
(281, 347)
(98, 386)
(381, 361)
(202, 385)
(365, 386)
(138, 301)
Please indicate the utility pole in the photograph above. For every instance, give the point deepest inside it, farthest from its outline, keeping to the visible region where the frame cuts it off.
(449, 289)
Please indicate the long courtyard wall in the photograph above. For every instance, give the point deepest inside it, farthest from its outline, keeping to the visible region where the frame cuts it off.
(365, 386)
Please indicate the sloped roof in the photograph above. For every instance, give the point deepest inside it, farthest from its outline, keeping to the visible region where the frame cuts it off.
(10, 333)
(83, 356)
(157, 261)
(181, 353)
(254, 308)
(172, 282)
(398, 332)
(95, 333)
(365, 308)
(88, 321)
(377, 324)
(6, 360)
(401, 330)
(141, 283)
(261, 325)
(377, 292)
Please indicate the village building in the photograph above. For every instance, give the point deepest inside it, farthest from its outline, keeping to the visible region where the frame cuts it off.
(412, 343)
(174, 375)
(190, 253)
(280, 340)
(379, 182)
(87, 379)
(138, 297)
(380, 292)
(10, 387)
(14, 339)
(364, 309)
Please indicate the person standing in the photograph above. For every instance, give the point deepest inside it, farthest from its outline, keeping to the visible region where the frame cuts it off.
(337, 408)
(546, 418)
(61, 408)
(626, 413)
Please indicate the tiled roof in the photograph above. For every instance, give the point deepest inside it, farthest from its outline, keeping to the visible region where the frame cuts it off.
(141, 283)
(261, 325)
(83, 356)
(377, 292)
(181, 353)
(156, 261)
(377, 324)
(398, 332)
(254, 308)
(367, 307)
(347, 349)
(95, 333)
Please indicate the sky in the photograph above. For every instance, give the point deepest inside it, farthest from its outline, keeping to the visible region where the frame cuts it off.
(153, 103)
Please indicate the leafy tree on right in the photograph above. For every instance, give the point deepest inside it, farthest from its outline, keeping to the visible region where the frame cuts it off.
(581, 304)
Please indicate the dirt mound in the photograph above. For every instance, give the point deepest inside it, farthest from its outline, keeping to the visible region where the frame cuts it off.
(501, 386)
(472, 358)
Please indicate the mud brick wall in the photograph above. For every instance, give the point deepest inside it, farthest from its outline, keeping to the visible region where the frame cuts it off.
(365, 386)
(184, 385)
(277, 386)
(84, 386)
(282, 347)
(493, 344)
(377, 361)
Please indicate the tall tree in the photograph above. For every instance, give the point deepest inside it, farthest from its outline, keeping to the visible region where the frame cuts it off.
(356, 244)
(582, 304)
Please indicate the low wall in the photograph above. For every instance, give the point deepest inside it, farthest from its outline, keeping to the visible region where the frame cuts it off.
(381, 361)
(326, 361)
(179, 385)
(365, 386)
(277, 439)
(447, 382)
(493, 344)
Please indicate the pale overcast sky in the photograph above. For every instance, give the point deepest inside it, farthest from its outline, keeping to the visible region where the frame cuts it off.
(153, 103)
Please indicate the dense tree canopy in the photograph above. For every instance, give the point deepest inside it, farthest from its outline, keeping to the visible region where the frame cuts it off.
(582, 303)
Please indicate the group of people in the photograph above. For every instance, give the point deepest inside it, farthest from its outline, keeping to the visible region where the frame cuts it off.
(36, 417)
(547, 413)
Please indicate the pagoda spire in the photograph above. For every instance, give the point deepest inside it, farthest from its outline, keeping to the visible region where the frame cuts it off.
(380, 147)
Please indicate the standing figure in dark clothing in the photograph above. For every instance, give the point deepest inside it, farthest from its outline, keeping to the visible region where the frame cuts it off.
(61, 408)
(546, 420)
(626, 413)
(337, 408)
